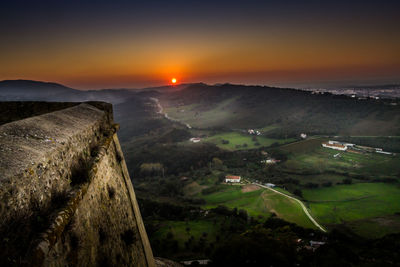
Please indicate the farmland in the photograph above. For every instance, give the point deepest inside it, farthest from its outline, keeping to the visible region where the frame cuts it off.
(308, 157)
(365, 204)
(259, 203)
(238, 141)
(189, 232)
(342, 203)
(190, 114)
(346, 203)
(194, 171)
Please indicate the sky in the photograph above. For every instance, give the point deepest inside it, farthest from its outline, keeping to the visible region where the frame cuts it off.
(136, 44)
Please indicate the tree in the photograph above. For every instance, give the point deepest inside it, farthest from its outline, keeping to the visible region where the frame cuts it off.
(170, 235)
(217, 163)
(298, 192)
(221, 177)
(151, 168)
(347, 181)
(327, 184)
(242, 214)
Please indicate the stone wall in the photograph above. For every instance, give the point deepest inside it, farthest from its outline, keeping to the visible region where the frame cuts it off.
(18, 110)
(65, 192)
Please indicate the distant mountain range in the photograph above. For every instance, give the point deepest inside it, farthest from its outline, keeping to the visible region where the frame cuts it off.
(16, 87)
(289, 111)
(20, 90)
(27, 90)
(12, 90)
(230, 106)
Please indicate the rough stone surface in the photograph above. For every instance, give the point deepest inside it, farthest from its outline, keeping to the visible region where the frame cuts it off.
(51, 214)
(18, 110)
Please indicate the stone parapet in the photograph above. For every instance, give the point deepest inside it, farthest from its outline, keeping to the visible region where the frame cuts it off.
(66, 196)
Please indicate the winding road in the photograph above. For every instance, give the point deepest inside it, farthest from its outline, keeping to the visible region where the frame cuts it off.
(298, 201)
(161, 111)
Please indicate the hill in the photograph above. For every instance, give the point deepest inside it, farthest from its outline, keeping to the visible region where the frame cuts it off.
(291, 111)
(27, 90)
(36, 90)
(17, 87)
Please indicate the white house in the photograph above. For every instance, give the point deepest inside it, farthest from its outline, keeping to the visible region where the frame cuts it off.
(303, 135)
(335, 145)
(232, 179)
(270, 161)
(269, 185)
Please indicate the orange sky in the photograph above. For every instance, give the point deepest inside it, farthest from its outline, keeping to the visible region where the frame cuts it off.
(238, 49)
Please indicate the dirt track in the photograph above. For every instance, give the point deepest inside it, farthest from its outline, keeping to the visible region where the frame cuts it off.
(301, 204)
(250, 188)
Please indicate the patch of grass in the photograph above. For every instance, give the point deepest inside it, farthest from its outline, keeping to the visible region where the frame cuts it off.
(309, 157)
(304, 145)
(240, 141)
(345, 203)
(268, 128)
(192, 239)
(182, 231)
(286, 208)
(283, 191)
(193, 188)
(358, 205)
(376, 227)
(320, 179)
(196, 116)
(257, 203)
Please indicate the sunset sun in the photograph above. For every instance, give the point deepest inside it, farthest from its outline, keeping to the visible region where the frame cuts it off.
(173, 80)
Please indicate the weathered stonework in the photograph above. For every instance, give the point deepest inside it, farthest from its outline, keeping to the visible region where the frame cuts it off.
(65, 191)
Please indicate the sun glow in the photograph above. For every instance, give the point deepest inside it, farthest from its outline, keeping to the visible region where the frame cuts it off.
(173, 80)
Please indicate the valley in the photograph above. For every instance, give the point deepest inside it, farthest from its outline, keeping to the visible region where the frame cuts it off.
(231, 133)
(340, 189)
(180, 145)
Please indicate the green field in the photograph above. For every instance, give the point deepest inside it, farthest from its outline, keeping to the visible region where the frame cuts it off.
(345, 203)
(258, 203)
(182, 230)
(219, 114)
(303, 146)
(366, 208)
(310, 158)
(376, 227)
(238, 141)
